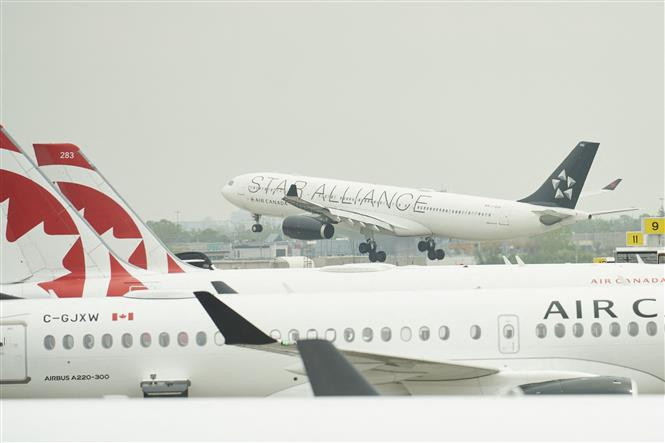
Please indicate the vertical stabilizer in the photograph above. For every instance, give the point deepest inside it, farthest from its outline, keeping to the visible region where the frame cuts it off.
(45, 241)
(562, 188)
(107, 212)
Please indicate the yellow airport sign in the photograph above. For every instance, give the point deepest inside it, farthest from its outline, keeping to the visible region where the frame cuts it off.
(654, 225)
(634, 238)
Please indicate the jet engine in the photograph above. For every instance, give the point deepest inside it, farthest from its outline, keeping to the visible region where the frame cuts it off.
(302, 227)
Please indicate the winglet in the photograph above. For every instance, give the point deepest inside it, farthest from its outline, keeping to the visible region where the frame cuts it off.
(506, 261)
(329, 372)
(234, 327)
(293, 191)
(612, 186)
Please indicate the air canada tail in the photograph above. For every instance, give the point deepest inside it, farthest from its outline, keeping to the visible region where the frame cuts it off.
(44, 240)
(110, 216)
(562, 188)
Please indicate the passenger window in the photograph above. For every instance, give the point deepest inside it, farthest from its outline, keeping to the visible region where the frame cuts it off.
(652, 328)
(633, 329)
(68, 342)
(164, 339)
(423, 333)
(276, 334)
(312, 334)
(146, 340)
(559, 330)
(219, 339)
(49, 342)
(508, 331)
(331, 335)
(475, 332)
(127, 340)
(541, 331)
(405, 333)
(368, 334)
(107, 340)
(201, 338)
(578, 330)
(88, 341)
(349, 334)
(444, 333)
(183, 338)
(615, 329)
(596, 329)
(293, 336)
(386, 333)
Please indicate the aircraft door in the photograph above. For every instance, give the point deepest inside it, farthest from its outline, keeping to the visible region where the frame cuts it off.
(509, 337)
(13, 359)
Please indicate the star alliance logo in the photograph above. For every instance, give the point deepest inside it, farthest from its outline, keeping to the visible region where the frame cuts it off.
(566, 182)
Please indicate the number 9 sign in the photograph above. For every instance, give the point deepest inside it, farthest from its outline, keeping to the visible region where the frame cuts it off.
(654, 225)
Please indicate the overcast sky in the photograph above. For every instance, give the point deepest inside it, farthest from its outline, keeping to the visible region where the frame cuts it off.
(172, 100)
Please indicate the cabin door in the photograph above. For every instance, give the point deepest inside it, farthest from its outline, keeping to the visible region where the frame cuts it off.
(509, 334)
(13, 361)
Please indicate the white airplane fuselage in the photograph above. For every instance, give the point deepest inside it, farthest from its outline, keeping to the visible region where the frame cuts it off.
(412, 212)
(380, 277)
(94, 347)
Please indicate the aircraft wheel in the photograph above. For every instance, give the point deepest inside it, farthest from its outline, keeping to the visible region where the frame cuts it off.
(372, 256)
(440, 254)
(363, 248)
(431, 254)
(422, 246)
(381, 256)
(257, 227)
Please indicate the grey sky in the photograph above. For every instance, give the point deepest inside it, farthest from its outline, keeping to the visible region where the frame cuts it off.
(172, 100)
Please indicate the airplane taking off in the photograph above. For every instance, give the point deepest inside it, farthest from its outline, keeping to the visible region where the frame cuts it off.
(313, 206)
(491, 342)
(39, 261)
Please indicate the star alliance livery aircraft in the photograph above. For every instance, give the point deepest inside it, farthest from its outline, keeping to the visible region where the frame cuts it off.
(313, 206)
(96, 246)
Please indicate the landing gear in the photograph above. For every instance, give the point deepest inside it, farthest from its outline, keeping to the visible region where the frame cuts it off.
(257, 227)
(369, 248)
(430, 246)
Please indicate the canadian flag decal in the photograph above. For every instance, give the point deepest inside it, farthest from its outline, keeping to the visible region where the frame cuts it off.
(128, 316)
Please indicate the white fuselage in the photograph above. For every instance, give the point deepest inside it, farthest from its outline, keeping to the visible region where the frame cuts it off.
(37, 333)
(383, 277)
(413, 212)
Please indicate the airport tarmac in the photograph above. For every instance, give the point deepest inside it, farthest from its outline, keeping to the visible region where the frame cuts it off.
(552, 418)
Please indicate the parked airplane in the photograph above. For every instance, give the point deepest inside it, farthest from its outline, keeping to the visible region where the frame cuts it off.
(444, 342)
(312, 206)
(24, 273)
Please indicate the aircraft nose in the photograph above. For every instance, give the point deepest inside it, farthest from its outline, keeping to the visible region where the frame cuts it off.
(227, 190)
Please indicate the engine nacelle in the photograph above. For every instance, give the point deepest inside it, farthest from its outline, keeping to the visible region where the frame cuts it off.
(302, 227)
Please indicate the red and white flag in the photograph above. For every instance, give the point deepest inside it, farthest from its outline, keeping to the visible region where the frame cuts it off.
(123, 316)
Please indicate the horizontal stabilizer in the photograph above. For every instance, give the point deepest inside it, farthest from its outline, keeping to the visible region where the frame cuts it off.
(234, 327)
(612, 211)
(329, 372)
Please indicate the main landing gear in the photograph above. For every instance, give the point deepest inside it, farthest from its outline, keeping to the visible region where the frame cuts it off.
(369, 247)
(257, 227)
(430, 246)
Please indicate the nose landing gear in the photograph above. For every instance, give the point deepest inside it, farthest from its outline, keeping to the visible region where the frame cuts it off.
(257, 227)
(369, 248)
(430, 246)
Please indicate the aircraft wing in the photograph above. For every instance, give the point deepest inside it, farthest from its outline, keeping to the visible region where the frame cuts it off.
(356, 219)
(377, 368)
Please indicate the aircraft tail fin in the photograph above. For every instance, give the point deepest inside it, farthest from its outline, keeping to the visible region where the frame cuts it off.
(108, 213)
(562, 188)
(45, 241)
